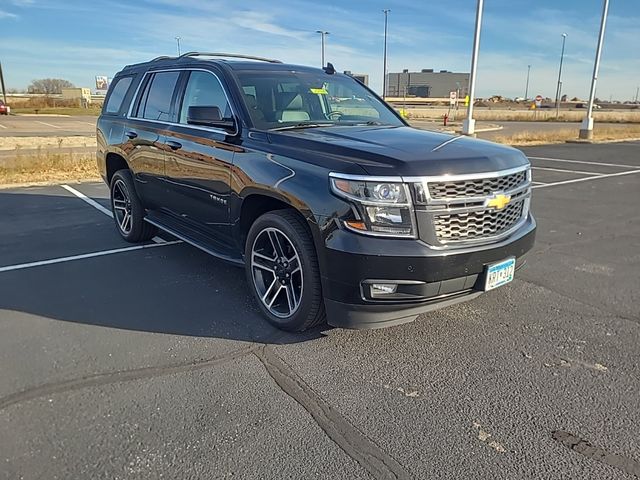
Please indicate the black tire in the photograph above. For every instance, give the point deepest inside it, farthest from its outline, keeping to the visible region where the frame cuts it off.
(310, 308)
(124, 196)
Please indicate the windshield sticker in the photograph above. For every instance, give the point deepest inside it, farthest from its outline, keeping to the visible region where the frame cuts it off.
(319, 91)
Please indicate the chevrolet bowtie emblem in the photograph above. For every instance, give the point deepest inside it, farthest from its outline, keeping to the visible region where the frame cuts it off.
(498, 201)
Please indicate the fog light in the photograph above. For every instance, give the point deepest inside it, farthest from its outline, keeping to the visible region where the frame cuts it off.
(382, 289)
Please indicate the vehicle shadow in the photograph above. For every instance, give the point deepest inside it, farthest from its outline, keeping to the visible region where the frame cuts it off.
(170, 289)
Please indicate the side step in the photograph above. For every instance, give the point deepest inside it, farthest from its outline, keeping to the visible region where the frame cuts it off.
(191, 236)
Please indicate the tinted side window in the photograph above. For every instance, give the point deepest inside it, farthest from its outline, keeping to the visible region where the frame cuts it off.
(118, 91)
(157, 98)
(204, 90)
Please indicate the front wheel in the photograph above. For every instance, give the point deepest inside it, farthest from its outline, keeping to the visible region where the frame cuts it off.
(282, 271)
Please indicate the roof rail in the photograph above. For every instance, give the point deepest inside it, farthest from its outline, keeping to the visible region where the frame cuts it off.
(229, 55)
(161, 57)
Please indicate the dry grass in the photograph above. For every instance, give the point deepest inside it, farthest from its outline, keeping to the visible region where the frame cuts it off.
(55, 106)
(19, 143)
(564, 134)
(47, 167)
(538, 115)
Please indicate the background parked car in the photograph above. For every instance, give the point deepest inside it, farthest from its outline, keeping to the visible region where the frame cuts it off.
(4, 109)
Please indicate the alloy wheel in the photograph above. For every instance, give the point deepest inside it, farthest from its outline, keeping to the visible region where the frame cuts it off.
(122, 206)
(277, 272)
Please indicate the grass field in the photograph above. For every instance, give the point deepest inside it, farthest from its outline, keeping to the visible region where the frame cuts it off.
(622, 132)
(539, 115)
(48, 167)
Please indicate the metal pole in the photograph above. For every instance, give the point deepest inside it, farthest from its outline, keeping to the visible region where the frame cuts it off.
(526, 90)
(587, 124)
(637, 91)
(564, 38)
(178, 40)
(4, 90)
(384, 55)
(469, 124)
(322, 34)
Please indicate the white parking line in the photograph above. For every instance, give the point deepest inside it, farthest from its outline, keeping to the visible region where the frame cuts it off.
(2, 126)
(568, 171)
(100, 208)
(47, 124)
(583, 161)
(90, 201)
(586, 179)
(52, 261)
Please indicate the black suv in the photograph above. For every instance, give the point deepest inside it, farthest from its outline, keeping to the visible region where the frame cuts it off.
(334, 205)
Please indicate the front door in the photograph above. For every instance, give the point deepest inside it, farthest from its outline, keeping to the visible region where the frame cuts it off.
(199, 160)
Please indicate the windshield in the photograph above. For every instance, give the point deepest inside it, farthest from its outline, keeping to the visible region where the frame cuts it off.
(283, 99)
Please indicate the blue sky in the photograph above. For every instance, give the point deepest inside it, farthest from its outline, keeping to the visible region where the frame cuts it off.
(77, 40)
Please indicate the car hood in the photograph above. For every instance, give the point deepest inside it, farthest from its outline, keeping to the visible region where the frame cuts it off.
(404, 151)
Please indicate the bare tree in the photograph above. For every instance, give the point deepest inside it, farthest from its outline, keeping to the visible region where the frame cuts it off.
(49, 85)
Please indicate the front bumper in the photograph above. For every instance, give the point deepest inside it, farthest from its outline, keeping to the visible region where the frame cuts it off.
(427, 278)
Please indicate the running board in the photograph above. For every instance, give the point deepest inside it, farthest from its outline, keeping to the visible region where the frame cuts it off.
(197, 240)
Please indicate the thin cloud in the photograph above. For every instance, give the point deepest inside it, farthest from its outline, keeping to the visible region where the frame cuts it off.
(4, 14)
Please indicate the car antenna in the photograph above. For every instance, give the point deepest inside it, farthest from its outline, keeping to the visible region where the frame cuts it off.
(329, 69)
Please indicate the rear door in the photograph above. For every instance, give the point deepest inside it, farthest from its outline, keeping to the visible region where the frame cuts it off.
(145, 137)
(198, 166)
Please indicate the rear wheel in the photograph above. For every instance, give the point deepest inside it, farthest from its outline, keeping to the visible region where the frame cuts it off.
(128, 211)
(282, 270)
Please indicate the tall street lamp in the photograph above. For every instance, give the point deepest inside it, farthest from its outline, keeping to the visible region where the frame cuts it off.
(564, 39)
(469, 124)
(526, 90)
(322, 34)
(384, 55)
(586, 130)
(178, 41)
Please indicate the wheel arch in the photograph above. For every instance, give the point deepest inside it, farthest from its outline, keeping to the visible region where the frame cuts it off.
(256, 203)
(114, 162)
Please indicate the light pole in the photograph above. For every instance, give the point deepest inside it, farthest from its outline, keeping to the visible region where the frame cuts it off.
(469, 124)
(564, 39)
(637, 91)
(384, 55)
(587, 124)
(178, 41)
(322, 34)
(526, 90)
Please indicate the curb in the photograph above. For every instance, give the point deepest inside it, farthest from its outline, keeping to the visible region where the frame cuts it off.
(603, 141)
(48, 183)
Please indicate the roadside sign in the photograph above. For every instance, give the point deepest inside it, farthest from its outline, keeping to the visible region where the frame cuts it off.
(453, 98)
(539, 101)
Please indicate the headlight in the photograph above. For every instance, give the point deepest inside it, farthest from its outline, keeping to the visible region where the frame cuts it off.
(382, 206)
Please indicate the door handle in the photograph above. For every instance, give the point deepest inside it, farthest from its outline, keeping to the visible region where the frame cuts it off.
(173, 145)
(131, 135)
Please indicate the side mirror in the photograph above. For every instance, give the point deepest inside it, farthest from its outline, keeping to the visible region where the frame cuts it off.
(209, 117)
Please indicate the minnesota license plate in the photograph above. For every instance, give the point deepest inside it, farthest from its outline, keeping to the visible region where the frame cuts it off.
(500, 273)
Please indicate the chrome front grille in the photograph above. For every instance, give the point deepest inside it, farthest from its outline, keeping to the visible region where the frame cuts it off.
(477, 225)
(456, 211)
(476, 187)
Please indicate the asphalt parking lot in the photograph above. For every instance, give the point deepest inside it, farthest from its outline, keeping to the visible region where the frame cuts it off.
(47, 125)
(122, 361)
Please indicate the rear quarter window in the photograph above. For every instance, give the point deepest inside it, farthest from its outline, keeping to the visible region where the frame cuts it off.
(116, 95)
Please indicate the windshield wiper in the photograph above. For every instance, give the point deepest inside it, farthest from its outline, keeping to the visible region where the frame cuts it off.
(302, 125)
(369, 123)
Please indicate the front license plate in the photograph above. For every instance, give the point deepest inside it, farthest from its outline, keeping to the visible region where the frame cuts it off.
(500, 273)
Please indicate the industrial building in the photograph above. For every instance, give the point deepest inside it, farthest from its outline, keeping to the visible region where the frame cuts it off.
(427, 83)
